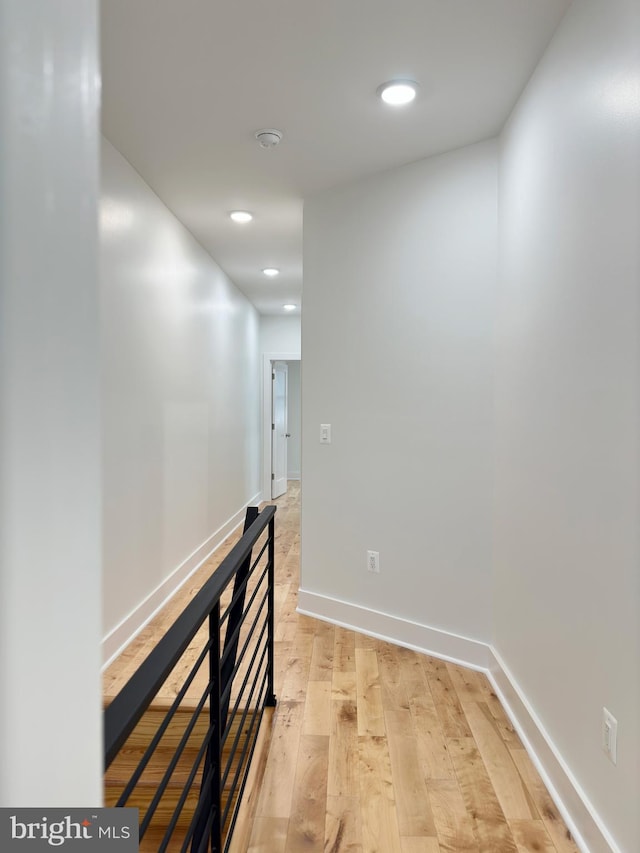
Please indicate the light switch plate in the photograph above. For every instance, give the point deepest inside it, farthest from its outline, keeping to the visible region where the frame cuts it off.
(325, 433)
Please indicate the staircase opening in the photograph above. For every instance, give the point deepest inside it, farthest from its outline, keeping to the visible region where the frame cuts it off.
(180, 735)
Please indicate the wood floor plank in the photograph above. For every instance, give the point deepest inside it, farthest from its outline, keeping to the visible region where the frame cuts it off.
(309, 805)
(364, 641)
(282, 651)
(412, 799)
(454, 826)
(432, 746)
(465, 683)
(508, 732)
(317, 709)
(277, 786)
(344, 654)
(489, 697)
(322, 654)
(296, 678)
(286, 627)
(269, 835)
(515, 799)
(555, 826)
(343, 767)
(411, 667)
(531, 835)
(419, 845)
(481, 802)
(343, 686)
(417, 690)
(454, 723)
(393, 691)
(343, 833)
(303, 643)
(369, 699)
(380, 832)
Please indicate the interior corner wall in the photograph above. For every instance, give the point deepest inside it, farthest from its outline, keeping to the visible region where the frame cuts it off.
(293, 421)
(181, 394)
(400, 276)
(567, 587)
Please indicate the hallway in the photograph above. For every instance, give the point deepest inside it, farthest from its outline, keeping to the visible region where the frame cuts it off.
(378, 748)
(373, 747)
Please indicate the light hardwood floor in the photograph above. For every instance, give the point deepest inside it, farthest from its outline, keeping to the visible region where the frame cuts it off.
(374, 748)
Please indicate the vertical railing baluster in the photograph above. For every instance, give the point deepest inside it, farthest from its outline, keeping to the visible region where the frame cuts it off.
(215, 721)
(270, 700)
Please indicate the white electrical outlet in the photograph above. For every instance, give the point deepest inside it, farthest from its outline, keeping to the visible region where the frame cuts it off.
(610, 735)
(373, 561)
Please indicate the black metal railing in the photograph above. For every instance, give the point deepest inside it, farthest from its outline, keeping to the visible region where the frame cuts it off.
(195, 757)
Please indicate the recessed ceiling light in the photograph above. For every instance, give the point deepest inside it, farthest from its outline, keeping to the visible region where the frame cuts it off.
(241, 216)
(271, 271)
(397, 93)
(290, 307)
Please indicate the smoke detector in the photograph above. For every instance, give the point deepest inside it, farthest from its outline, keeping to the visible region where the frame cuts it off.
(269, 137)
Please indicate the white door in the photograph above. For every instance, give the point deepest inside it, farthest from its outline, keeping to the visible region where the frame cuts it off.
(279, 376)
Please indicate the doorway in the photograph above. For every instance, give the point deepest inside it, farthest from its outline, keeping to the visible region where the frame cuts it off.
(281, 422)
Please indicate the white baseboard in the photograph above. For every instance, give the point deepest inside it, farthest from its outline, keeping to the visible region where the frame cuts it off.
(402, 632)
(588, 830)
(586, 826)
(120, 636)
(294, 475)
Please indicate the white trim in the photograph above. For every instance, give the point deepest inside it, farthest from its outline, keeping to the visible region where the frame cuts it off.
(120, 636)
(294, 475)
(584, 822)
(587, 828)
(402, 632)
(267, 358)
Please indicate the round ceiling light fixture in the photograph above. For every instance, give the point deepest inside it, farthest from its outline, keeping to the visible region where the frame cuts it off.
(290, 307)
(241, 216)
(268, 137)
(398, 93)
(271, 271)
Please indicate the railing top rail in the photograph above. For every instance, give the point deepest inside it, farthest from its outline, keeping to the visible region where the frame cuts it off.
(126, 709)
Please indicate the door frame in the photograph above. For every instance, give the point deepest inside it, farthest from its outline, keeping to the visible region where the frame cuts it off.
(279, 435)
(267, 359)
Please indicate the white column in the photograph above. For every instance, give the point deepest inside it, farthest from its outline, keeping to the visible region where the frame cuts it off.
(50, 720)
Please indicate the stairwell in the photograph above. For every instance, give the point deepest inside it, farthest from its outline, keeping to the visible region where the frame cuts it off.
(186, 735)
(170, 808)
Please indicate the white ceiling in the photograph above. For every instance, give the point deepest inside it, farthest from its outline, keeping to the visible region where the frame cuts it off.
(186, 83)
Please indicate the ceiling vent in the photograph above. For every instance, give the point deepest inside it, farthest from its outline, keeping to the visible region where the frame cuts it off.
(269, 137)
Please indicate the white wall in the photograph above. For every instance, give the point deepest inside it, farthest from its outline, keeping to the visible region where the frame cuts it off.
(400, 276)
(280, 334)
(293, 421)
(50, 704)
(181, 405)
(567, 588)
